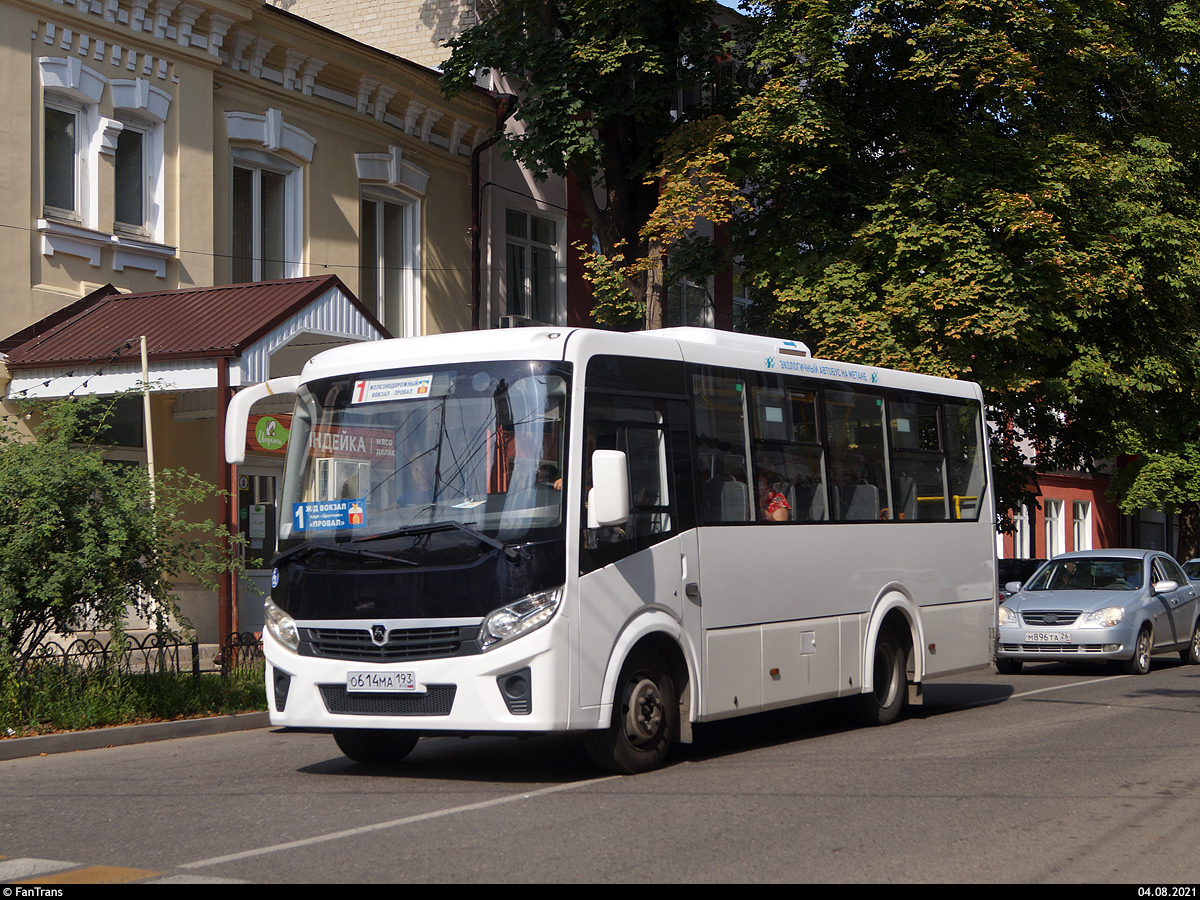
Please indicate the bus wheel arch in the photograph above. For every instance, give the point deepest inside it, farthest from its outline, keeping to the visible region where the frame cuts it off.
(650, 707)
(890, 663)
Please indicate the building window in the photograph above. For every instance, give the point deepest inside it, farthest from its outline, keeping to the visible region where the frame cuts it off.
(532, 267)
(1022, 536)
(688, 303)
(266, 218)
(1055, 529)
(73, 133)
(1081, 525)
(130, 178)
(61, 177)
(389, 250)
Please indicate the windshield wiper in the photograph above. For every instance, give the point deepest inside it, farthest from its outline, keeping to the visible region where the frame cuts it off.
(510, 551)
(309, 547)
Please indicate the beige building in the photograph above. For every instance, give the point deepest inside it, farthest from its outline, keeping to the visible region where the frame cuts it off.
(529, 269)
(158, 143)
(151, 146)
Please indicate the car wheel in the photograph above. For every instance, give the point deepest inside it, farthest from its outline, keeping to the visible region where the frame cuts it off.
(375, 746)
(1191, 654)
(643, 721)
(884, 704)
(1007, 666)
(1139, 663)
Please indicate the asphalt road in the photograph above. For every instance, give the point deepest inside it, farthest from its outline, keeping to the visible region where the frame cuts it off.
(1057, 775)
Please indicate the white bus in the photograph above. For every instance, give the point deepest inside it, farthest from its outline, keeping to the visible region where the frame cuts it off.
(547, 530)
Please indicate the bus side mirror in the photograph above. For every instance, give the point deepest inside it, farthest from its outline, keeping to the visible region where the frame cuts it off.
(608, 500)
(238, 414)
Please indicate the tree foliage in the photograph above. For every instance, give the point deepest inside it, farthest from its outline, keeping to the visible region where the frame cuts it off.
(81, 546)
(1002, 191)
(600, 83)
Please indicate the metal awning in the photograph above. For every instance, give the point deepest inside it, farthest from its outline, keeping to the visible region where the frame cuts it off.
(258, 331)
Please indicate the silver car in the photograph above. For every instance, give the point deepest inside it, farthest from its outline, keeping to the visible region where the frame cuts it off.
(1101, 605)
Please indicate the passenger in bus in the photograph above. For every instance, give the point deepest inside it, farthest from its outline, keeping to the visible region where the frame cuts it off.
(773, 505)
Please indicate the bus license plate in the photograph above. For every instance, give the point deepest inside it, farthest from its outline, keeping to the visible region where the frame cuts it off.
(383, 683)
(1048, 637)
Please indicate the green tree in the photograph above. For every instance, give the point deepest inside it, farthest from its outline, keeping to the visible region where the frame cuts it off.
(1005, 192)
(600, 86)
(81, 545)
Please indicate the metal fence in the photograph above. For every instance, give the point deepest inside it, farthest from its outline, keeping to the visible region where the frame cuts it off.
(155, 653)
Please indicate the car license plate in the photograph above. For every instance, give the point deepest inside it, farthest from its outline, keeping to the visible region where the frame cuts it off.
(1048, 637)
(383, 683)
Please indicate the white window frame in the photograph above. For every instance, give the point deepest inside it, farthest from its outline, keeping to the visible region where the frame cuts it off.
(143, 108)
(1056, 536)
(142, 226)
(71, 87)
(404, 319)
(1022, 534)
(523, 310)
(258, 162)
(1081, 524)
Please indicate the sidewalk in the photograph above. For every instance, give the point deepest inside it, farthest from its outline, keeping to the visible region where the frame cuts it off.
(122, 735)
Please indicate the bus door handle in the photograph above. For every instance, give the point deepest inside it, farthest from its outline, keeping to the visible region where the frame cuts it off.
(692, 590)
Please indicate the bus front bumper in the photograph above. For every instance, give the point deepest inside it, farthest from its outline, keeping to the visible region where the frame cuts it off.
(518, 686)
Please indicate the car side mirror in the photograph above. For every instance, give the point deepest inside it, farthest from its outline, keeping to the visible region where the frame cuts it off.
(1165, 587)
(1013, 586)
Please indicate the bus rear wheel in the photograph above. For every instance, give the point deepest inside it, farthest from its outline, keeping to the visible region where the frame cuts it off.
(884, 704)
(375, 746)
(643, 721)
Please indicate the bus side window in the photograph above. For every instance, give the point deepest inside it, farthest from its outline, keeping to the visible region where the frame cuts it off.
(726, 494)
(635, 427)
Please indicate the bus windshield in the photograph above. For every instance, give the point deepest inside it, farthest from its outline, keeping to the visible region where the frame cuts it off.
(478, 445)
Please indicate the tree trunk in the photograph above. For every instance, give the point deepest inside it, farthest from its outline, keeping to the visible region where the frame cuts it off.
(1189, 531)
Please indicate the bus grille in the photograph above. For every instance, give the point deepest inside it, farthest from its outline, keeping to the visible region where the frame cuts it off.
(437, 700)
(402, 644)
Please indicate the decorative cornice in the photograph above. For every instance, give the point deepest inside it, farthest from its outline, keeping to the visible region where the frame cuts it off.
(271, 132)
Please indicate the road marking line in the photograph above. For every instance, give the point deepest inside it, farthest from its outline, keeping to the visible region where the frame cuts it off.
(1062, 687)
(94, 875)
(993, 701)
(394, 823)
(27, 866)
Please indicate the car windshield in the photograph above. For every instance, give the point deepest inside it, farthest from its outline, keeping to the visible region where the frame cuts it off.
(476, 447)
(1089, 574)
(1191, 568)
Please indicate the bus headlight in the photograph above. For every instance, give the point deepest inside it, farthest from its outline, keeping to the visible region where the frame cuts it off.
(282, 626)
(530, 612)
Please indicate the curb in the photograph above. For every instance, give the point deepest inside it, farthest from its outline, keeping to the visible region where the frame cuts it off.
(123, 735)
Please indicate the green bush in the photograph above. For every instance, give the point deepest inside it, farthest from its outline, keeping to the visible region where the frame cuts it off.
(52, 697)
(82, 543)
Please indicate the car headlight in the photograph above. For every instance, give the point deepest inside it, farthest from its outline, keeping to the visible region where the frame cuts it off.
(1105, 618)
(518, 618)
(282, 626)
(1008, 616)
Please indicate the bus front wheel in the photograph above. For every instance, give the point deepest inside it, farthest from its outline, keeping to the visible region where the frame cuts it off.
(375, 746)
(643, 721)
(884, 704)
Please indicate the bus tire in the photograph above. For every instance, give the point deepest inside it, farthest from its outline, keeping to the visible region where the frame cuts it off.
(884, 704)
(643, 720)
(375, 746)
